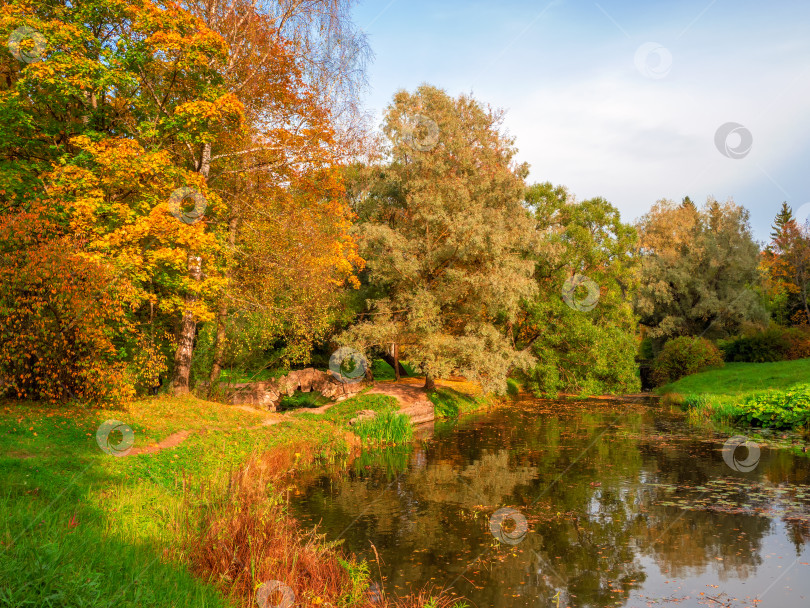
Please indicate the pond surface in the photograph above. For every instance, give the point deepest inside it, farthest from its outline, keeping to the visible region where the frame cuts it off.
(598, 503)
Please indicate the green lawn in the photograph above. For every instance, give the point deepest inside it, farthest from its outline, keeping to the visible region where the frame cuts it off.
(737, 379)
(80, 527)
(758, 394)
(450, 403)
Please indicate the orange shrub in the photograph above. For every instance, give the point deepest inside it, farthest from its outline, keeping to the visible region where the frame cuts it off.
(798, 339)
(58, 318)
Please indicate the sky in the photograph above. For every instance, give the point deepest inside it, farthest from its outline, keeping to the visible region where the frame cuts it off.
(631, 101)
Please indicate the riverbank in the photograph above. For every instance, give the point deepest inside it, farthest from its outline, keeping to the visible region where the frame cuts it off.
(770, 395)
(84, 527)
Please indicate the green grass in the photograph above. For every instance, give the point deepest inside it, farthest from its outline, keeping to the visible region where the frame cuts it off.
(387, 427)
(241, 375)
(343, 411)
(513, 387)
(302, 400)
(382, 371)
(83, 528)
(736, 379)
(759, 394)
(450, 403)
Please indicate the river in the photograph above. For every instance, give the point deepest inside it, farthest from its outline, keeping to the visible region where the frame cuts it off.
(589, 503)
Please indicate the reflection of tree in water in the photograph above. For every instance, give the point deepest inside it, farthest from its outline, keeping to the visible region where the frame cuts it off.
(688, 543)
(781, 469)
(489, 480)
(592, 514)
(798, 533)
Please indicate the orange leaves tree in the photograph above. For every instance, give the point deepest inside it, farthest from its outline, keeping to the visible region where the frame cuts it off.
(114, 117)
(786, 269)
(130, 112)
(59, 312)
(289, 249)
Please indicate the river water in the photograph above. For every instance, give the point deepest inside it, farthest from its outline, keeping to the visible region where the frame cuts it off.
(595, 503)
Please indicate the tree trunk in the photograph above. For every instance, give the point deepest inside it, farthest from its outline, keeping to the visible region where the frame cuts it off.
(188, 329)
(430, 383)
(219, 346)
(393, 361)
(222, 315)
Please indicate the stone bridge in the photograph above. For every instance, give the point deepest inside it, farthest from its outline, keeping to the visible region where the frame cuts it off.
(268, 394)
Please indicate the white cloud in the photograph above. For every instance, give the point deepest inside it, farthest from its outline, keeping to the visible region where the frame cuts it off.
(634, 140)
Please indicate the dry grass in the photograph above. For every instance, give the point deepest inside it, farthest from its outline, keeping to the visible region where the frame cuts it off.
(245, 537)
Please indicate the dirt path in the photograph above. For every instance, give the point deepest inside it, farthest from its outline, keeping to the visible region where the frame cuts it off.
(175, 439)
(412, 398)
(172, 441)
(408, 392)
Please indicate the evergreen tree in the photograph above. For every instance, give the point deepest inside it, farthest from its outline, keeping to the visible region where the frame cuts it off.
(781, 220)
(786, 269)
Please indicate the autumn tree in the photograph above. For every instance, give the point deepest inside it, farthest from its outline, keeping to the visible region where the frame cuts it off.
(286, 223)
(188, 156)
(699, 270)
(443, 230)
(580, 324)
(126, 96)
(786, 266)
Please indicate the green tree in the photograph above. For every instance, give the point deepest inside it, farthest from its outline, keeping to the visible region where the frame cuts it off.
(781, 221)
(582, 346)
(443, 229)
(699, 270)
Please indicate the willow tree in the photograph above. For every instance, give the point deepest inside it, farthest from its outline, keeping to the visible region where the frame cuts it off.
(585, 340)
(442, 230)
(699, 272)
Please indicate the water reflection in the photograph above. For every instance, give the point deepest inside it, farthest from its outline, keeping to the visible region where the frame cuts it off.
(625, 505)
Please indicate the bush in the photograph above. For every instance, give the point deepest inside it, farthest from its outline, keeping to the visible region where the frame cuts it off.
(60, 316)
(764, 347)
(798, 339)
(774, 344)
(683, 356)
(778, 409)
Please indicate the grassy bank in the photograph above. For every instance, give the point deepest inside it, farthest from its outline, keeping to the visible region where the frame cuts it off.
(202, 523)
(386, 427)
(450, 402)
(775, 395)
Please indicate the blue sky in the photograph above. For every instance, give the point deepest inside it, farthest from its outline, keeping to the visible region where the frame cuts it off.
(621, 99)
